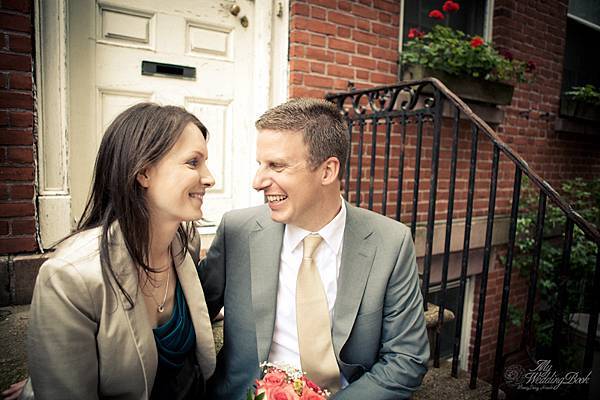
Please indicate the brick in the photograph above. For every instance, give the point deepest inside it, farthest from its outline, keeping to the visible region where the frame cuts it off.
(318, 81)
(299, 65)
(19, 44)
(21, 192)
(362, 75)
(3, 227)
(21, 119)
(364, 37)
(297, 51)
(299, 37)
(382, 78)
(343, 32)
(299, 9)
(342, 72)
(338, 44)
(16, 210)
(16, 173)
(296, 78)
(318, 13)
(20, 81)
(363, 62)
(363, 24)
(14, 22)
(15, 62)
(16, 136)
(26, 269)
(3, 41)
(3, 80)
(385, 54)
(23, 227)
(4, 191)
(363, 49)
(392, 7)
(317, 67)
(321, 27)
(345, 5)
(23, 6)
(341, 19)
(319, 54)
(20, 155)
(4, 118)
(17, 245)
(342, 58)
(365, 12)
(325, 3)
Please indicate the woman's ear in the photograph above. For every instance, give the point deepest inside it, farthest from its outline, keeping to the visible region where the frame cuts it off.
(143, 179)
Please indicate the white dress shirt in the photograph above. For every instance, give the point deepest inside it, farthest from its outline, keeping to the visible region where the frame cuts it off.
(328, 258)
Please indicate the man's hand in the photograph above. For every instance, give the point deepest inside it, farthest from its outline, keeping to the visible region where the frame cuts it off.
(14, 391)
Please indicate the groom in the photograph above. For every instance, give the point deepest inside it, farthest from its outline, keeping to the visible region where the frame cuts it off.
(310, 280)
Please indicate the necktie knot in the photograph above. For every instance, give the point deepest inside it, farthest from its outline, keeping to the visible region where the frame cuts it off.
(311, 242)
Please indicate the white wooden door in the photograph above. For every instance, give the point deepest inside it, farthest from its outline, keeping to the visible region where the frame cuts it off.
(108, 41)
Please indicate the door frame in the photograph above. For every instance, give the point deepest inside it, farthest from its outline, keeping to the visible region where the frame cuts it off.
(270, 87)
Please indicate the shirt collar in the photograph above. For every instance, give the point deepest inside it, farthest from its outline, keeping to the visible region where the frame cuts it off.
(332, 233)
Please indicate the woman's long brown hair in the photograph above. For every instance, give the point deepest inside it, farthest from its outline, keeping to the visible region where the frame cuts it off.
(135, 140)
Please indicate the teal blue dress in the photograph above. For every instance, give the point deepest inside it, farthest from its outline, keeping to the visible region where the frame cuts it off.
(178, 375)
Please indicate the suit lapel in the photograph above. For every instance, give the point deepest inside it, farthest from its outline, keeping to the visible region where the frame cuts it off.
(265, 243)
(358, 252)
(137, 316)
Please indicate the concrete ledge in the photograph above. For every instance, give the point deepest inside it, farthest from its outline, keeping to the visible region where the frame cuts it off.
(17, 277)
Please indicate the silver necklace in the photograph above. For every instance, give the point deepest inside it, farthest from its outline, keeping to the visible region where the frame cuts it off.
(161, 306)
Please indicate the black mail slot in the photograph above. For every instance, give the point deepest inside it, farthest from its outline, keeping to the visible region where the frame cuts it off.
(168, 70)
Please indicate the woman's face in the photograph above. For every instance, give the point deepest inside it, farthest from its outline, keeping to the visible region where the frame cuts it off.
(176, 184)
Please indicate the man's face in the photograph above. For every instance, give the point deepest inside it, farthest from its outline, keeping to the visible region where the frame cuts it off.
(292, 188)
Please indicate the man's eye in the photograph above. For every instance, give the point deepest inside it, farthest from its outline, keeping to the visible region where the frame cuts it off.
(277, 167)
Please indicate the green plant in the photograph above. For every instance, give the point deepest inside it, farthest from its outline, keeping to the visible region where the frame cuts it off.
(585, 94)
(452, 51)
(584, 196)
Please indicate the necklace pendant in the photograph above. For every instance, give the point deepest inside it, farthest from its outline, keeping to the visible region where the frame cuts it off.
(161, 308)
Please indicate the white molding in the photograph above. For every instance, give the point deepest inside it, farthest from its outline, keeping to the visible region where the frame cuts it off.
(488, 23)
(52, 148)
(583, 21)
(465, 334)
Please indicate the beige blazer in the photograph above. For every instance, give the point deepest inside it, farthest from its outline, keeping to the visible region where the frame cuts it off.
(84, 340)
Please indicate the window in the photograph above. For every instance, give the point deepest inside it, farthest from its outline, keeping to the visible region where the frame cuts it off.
(582, 61)
(471, 18)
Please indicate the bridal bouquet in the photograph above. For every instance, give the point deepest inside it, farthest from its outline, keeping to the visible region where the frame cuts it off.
(285, 383)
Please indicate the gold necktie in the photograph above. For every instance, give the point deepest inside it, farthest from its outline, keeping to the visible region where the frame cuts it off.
(314, 327)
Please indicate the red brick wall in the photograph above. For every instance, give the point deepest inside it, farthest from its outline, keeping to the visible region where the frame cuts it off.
(17, 171)
(535, 30)
(333, 42)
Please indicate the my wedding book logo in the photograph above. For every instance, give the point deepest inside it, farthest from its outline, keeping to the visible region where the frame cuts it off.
(543, 377)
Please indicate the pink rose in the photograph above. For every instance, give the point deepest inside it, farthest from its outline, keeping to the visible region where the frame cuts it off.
(285, 392)
(309, 394)
(274, 379)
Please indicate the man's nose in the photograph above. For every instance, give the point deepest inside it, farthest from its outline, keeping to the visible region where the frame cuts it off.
(260, 181)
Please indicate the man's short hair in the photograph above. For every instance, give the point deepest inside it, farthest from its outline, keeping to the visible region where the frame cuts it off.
(324, 131)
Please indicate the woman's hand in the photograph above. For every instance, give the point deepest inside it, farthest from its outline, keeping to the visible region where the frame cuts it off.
(14, 391)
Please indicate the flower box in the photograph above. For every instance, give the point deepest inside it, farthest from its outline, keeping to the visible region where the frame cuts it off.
(466, 87)
(579, 110)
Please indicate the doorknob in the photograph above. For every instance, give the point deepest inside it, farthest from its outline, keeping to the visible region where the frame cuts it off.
(234, 10)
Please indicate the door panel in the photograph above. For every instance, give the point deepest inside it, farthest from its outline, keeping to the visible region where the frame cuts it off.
(108, 42)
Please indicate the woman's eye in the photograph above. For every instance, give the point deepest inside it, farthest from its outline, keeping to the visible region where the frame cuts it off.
(193, 162)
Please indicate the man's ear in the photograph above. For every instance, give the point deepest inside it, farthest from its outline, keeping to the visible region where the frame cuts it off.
(331, 169)
(143, 179)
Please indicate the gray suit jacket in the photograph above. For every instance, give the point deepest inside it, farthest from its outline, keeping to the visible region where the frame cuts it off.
(84, 340)
(379, 334)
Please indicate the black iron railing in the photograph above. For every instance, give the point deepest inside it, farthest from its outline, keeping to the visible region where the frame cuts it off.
(406, 115)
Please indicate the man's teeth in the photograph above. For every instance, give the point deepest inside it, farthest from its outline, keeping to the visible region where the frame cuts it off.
(276, 198)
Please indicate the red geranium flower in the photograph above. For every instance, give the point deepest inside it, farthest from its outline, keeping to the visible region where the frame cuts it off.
(436, 14)
(476, 42)
(506, 54)
(415, 33)
(530, 67)
(451, 6)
